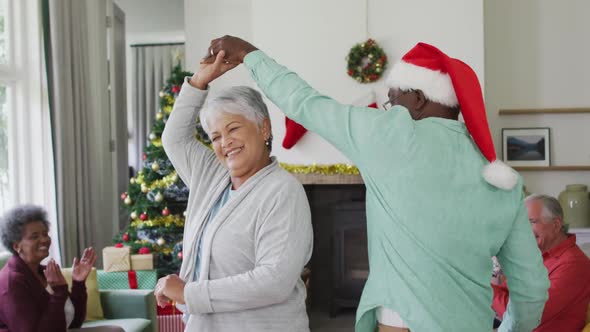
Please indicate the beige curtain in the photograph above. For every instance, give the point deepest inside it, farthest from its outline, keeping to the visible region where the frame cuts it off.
(75, 37)
(152, 65)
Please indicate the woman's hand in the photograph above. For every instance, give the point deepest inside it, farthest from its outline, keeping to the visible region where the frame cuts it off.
(169, 288)
(81, 269)
(210, 71)
(53, 274)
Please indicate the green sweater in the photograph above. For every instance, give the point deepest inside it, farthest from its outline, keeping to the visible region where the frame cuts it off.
(433, 223)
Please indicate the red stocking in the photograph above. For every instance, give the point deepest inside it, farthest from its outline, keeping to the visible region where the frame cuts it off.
(294, 132)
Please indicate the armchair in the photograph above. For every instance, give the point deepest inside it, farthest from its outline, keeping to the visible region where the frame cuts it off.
(133, 310)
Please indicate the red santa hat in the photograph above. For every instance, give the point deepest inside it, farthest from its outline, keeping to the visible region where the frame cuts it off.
(451, 82)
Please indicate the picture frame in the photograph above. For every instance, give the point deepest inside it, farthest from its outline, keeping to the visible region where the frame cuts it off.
(526, 146)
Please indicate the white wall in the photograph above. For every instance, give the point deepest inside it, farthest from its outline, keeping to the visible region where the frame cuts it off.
(537, 57)
(314, 37)
(148, 22)
(153, 21)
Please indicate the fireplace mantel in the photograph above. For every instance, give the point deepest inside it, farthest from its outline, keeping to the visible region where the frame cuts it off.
(322, 179)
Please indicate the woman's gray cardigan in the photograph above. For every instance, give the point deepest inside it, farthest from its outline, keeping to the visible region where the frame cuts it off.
(254, 249)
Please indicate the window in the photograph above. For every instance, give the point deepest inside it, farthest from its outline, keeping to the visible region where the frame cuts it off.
(6, 83)
(26, 158)
(4, 186)
(4, 45)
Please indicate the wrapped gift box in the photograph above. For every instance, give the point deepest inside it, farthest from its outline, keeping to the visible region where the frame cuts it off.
(142, 262)
(127, 280)
(170, 323)
(169, 309)
(116, 259)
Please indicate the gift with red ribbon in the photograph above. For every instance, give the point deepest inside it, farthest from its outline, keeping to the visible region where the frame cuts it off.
(127, 279)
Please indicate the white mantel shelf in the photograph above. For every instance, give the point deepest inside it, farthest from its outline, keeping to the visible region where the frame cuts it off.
(322, 179)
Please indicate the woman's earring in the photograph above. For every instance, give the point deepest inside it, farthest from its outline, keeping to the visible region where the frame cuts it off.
(268, 142)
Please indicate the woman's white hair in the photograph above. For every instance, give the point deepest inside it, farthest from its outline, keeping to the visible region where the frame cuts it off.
(240, 100)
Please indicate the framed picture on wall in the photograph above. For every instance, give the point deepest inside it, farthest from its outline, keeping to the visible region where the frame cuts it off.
(526, 146)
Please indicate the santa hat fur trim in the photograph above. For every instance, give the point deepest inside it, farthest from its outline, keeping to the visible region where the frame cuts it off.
(435, 85)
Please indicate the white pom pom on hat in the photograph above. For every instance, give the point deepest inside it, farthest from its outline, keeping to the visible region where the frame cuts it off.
(451, 82)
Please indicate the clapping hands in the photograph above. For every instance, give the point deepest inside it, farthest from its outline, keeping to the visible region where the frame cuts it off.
(53, 274)
(81, 268)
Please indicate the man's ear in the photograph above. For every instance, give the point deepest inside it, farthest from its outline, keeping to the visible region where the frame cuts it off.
(420, 99)
(558, 224)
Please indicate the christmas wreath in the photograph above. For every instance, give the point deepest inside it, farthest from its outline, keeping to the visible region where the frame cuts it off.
(366, 62)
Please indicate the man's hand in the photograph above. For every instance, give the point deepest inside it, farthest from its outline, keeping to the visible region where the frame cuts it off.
(210, 71)
(235, 49)
(498, 278)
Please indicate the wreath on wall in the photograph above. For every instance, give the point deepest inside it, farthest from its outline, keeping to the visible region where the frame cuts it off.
(366, 62)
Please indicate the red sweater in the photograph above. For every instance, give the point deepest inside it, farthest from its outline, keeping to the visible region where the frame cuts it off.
(25, 306)
(569, 294)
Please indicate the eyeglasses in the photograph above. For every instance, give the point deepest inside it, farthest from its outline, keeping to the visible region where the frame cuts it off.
(391, 102)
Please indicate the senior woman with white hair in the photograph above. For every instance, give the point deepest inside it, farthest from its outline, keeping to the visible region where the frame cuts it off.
(248, 228)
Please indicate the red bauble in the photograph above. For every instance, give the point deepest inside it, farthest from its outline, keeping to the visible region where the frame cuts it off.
(144, 156)
(119, 245)
(143, 216)
(180, 255)
(144, 250)
(165, 212)
(175, 89)
(125, 237)
(123, 195)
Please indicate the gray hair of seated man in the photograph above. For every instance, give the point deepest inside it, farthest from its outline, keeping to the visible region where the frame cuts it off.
(13, 222)
(551, 209)
(239, 100)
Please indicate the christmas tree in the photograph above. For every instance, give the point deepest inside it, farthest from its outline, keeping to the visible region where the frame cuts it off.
(156, 198)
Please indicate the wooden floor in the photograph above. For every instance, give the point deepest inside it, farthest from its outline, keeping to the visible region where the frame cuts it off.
(322, 322)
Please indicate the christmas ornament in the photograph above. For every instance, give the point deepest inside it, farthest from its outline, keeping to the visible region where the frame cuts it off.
(294, 133)
(180, 255)
(159, 197)
(155, 167)
(125, 237)
(165, 212)
(184, 213)
(159, 116)
(175, 89)
(143, 216)
(133, 215)
(144, 188)
(127, 200)
(119, 245)
(174, 177)
(144, 157)
(132, 180)
(123, 196)
(366, 62)
(161, 241)
(162, 94)
(144, 251)
(152, 136)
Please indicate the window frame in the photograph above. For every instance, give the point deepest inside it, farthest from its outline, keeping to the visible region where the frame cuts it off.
(30, 149)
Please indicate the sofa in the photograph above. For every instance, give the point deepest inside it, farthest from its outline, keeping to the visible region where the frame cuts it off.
(133, 310)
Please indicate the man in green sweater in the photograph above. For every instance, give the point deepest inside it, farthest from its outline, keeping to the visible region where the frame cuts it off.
(439, 204)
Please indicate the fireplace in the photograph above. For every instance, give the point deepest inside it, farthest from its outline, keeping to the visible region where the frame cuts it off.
(339, 264)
